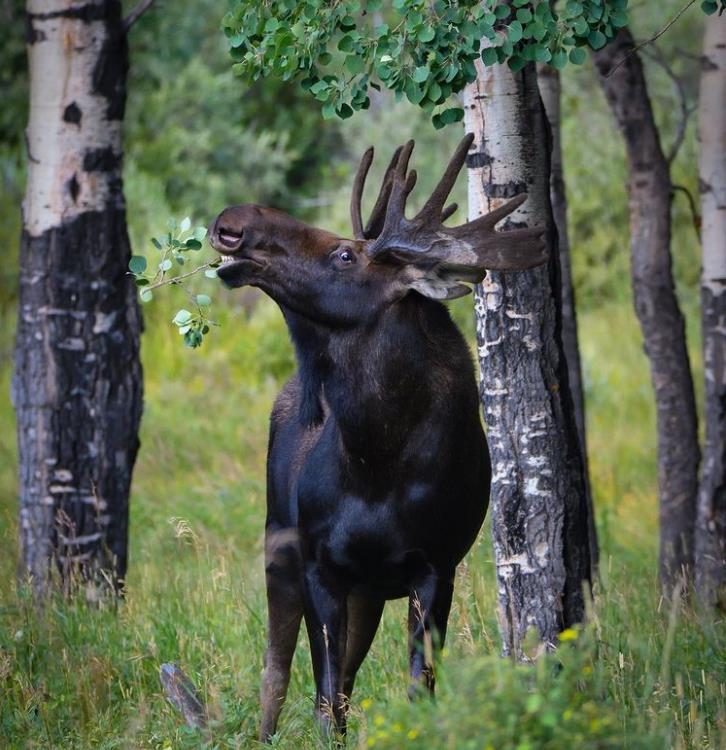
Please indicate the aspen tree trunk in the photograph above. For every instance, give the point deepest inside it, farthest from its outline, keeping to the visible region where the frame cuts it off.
(550, 90)
(656, 304)
(77, 381)
(710, 543)
(538, 510)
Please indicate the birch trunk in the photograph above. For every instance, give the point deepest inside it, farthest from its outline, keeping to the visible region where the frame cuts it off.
(77, 380)
(656, 304)
(550, 89)
(538, 510)
(710, 544)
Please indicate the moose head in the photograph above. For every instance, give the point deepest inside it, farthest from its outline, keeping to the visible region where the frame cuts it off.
(341, 281)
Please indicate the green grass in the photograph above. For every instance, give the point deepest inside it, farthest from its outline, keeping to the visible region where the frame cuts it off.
(642, 675)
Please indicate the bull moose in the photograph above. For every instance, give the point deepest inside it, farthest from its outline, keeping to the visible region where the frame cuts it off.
(378, 470)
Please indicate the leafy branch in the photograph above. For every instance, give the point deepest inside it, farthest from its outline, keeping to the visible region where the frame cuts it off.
(174, 249)
(424, 50)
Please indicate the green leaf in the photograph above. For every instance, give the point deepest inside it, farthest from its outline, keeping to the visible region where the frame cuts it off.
(515, 31)
(539, 31)
(524, 15)
(192, 244)
(156, 243)
(344, 111)
(451, 115)
(426, 34)
(137, 264)
(346, 43)
(420, 74)
(211, 273)
(578, 55)
(709, 6)
(516, 63)
(185, 224)
(434, 92)
(355, 63)
(199, 233)
(146, 295)
(542, 54)
(489, 56)
(165, 265)
(204, 300)
(559, 59)
(596, 39)
(182, 317)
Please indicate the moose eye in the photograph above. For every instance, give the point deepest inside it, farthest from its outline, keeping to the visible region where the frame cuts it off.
(343, 257)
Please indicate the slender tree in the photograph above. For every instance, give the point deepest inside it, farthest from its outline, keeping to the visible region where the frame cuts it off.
(710, 542)
(621, 76)
(550, 88)
(77, 386)
(538, 510)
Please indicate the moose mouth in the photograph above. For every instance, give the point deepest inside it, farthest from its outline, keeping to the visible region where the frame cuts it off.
(229, 240)
(235, 268)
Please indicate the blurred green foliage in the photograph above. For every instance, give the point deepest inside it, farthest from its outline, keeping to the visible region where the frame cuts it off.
(205, 139)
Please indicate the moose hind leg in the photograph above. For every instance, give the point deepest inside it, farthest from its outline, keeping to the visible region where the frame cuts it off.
(428, 615)
(285, 610)
(325, 619)
(364, 616)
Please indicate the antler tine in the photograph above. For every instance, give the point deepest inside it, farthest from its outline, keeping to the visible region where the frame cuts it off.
(490, 220)
(403, 184)
(357, 194)
(449, 211)
(435, 203)
(378, 214)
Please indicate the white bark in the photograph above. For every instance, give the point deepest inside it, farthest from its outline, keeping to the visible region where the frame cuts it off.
(712, 158)
(66, 121)
(540, 537)
(710, 542)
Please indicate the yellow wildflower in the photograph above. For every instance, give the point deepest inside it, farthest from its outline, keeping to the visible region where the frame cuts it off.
(412, 734)
(366, 703)
(568, 635)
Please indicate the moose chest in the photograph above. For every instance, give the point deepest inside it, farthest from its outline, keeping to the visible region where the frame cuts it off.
(380, 527)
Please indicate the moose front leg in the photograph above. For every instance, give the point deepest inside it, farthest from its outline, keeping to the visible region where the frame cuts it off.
(325, 619)
(428, 614)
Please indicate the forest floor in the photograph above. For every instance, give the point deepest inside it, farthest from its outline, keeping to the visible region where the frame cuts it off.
(642, 674)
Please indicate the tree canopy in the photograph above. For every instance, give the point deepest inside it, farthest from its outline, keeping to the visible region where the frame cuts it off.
(422, 50)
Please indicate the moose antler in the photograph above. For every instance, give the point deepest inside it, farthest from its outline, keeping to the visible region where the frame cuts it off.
(463, 252)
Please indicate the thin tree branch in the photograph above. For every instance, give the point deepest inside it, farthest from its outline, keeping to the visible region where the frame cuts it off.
(687, 110)
(136, 13)
(653, 38)
(696, 217)
(178, 279)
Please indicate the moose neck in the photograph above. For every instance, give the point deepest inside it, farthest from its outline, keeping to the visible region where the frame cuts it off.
(375, 378)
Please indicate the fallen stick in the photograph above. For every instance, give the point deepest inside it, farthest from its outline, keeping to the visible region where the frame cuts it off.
(180, 692)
